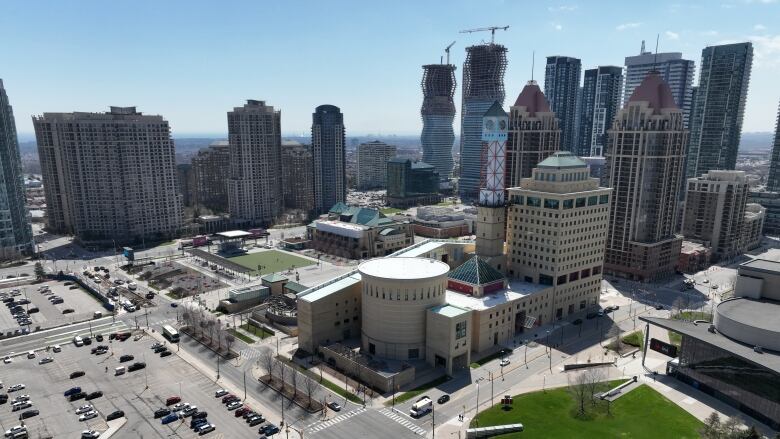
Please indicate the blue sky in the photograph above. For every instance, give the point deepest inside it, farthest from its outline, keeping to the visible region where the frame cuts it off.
(192, 61)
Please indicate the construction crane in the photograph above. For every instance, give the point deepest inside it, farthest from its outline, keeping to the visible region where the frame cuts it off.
(447, 50)
(492, 30)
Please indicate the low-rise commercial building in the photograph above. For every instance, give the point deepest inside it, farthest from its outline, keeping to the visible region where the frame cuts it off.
(771, 202)
(443, 222)
(694, 257)
(358, 233)
(753, 226)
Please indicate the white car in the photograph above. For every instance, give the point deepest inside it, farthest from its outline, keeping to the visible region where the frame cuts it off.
(16, 387)
(84, 409)
(45, 360)
(504, 362)
(88, 415)
(220, 392)
(234, 405)
(13, 430)
(22, 398)
(21, 405)
(56, 348)
(8, 359)
(203, 429)
(89, 434)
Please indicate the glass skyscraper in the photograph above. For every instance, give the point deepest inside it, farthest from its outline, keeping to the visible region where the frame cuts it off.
(716, 124)
(561, 86)
(438, 112)
(773, 181)
(328, 143)
(15, 231)
(599, 102)
(483, 84)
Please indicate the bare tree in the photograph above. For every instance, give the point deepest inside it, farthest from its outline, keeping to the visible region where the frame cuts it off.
(282, 368)
(229, 340)
(294, 375)
(268, 361)
(309, 386)
(593, 377)
(579, 391)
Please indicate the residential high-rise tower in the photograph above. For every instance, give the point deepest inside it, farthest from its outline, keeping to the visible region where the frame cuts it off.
(533, 134)
(15, 232)
(483, 84)
(716, 125)
(297, 165)
(438, 113)
(211, 167)
(599, 102)
(773, 181)
(328, 142)
(644, 166)
(109, 178)
(254, 184)
(561, 86)
(372, 158)
(674, 70)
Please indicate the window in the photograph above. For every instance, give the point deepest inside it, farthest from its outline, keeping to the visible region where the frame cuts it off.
(460, 330)
(568, 204)
(550, 204)
(593, 200)
(414, 354)
(603, 199)
(580, 202)
(533, 201)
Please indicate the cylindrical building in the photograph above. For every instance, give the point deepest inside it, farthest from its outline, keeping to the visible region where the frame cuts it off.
(396, 294)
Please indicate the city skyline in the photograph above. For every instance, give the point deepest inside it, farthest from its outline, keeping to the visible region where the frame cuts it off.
(382, 64)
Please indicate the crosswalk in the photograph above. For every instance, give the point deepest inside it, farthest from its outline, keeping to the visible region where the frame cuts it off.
(403, 421)
(333, 421)
(250, 353)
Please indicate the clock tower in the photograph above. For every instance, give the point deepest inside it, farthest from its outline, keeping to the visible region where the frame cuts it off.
(491, 214)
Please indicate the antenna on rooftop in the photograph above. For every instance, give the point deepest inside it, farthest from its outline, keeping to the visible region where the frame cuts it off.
(533, 64)
(492, 30)
(642, 50)
(448, 51)
(655, 57)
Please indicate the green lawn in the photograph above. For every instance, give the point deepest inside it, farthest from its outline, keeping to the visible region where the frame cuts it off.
(254, 330)
(272, 261)
(675, 338)
(240, 336)
(391, 210)
(417, 390)
(635, 339)
(641, 413)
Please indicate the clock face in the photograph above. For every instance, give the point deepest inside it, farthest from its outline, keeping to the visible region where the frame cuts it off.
(502, 124)
(489, 124)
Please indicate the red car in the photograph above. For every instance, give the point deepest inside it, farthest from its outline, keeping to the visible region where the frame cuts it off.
(227, 398)
(241, 411)
(172, 400)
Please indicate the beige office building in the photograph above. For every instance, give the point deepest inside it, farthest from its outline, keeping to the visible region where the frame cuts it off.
(109, 177)
(254, 185)
(715, 212)
(372, 158)
(556, 232)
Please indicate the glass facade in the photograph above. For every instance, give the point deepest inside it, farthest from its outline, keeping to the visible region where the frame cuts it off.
(753, 389)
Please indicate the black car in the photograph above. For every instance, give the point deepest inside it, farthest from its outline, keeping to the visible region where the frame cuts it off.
(87, 340)
(257, 420)
(32, 310)
(159, 413)
(3, 398)
(29, 414)
(93, 395)
(76, 374)
(76, 396)
(442, 399)
(269, 429)
(125, 358)
(115, 415)
(136, 366)
(165, 353)
(99, 337)
(23, 302)
(200, 415)
(659, 307)
(591, 315)
(195, 423)
(159, 349)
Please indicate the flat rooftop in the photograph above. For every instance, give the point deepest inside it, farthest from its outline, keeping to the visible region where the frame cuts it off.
(234, 234)
(404, 268)
(323, 290)
(449, 310)
(768, 359)
(763, 265)
(762, 314)
(516, 290)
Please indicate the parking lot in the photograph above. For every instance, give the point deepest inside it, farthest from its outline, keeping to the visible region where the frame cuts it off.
(48, 314)
(137, 393)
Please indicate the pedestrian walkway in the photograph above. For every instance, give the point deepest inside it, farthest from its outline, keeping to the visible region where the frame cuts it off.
(250, 354)
(395, 416)
(315, 427)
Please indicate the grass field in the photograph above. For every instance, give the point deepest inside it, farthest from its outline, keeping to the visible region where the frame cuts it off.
(391, 210)
(254, 330)
(272, 261)
(641, 413)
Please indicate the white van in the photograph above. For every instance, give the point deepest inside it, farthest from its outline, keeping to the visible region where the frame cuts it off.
(132, 286)
(31, 355)
(78, 341)
(119, 371)
(97, 314)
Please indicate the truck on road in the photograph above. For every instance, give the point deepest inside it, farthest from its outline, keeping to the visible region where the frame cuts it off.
(170, 333)
(421, 407)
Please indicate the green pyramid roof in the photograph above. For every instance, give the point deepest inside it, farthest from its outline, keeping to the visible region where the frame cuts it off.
(476, 271)
(562, 159)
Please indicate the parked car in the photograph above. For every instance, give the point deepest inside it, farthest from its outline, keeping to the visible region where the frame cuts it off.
(93, 395)
(269, 429)
(170, 418)
(241, 411)
(220, 392)
(76, 374)
(115, 415)
(256, 420)
(76, 396)
(16, 388)
(226, 399)
(165, 354)
(89, 434)
(203, 429)
(136, 366)
(172, 400)
(504, 362)
(21, 405)
(200, 415)
(68, 311)
(56, 348)
(125, 358)
(84, 408)
(159, 413)
(234, 405)
(88, 415)
(29, 414)
(442, 399)
(72, 391)
(186, 413)
(196, 423)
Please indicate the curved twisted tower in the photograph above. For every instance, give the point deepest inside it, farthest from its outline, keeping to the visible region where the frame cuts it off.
(438, 113)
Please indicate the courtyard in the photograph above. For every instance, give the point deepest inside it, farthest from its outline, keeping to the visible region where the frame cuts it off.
(271, 261)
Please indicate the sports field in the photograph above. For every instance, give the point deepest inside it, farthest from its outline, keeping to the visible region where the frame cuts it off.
(270, 261)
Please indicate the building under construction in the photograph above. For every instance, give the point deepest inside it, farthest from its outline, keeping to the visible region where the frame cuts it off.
(438, 113)
(483, 84)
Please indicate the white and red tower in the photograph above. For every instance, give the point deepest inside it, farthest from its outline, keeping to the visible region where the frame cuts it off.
(491, 213)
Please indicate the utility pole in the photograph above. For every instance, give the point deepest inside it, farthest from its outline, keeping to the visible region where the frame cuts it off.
(245, 385)
(491, 388)
(217, 366)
